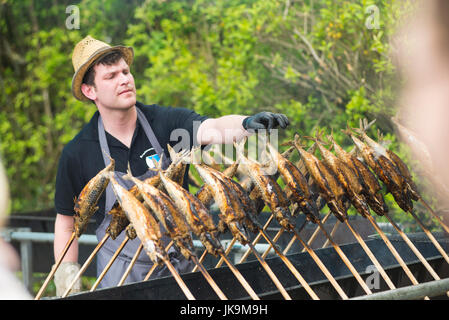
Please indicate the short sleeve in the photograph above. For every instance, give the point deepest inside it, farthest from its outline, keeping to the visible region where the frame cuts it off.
(68, 183)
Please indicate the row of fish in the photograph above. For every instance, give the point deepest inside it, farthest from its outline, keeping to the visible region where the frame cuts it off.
(340, 179)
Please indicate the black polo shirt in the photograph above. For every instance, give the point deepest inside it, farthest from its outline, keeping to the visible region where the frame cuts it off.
(82, 159)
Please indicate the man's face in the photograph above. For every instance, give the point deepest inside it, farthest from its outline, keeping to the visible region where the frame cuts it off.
(114, 86)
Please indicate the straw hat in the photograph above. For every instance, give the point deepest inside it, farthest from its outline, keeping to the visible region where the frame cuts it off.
(84, 55)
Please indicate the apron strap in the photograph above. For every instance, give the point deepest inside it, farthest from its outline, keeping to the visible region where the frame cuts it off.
(146, 128)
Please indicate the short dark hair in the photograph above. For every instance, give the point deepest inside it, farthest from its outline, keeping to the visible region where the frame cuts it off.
(109, 59)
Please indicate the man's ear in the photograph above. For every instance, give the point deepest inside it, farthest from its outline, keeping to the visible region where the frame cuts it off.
(89, 91)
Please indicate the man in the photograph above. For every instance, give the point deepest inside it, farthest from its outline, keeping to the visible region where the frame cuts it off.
(130, 132)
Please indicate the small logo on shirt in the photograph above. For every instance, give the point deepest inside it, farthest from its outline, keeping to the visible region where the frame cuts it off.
(149, 158)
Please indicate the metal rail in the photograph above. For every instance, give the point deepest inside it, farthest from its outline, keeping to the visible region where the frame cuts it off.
(413, 292)
(26, 238)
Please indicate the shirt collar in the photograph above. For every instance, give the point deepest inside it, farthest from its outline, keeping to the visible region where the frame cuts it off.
(90, 130)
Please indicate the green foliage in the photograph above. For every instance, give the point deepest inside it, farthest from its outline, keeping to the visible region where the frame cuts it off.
(315, 61)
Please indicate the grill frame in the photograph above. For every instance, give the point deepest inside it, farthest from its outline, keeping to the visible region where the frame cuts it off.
(166, 288)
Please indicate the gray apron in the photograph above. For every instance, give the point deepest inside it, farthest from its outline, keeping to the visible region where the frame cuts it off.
(143, 263)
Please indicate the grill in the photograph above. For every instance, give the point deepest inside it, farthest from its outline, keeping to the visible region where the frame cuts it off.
(377, 263)
(258, 279)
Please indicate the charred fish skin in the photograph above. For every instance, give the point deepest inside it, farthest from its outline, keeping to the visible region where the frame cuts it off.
(229, 212)
(145, 225)
(272, 194)
(386, 172)
(348, 179)
(86, 203)
(118, 223)
(196, 215)
(173, 170)
(166, 213)
(242, 198)
(205, 196)
(401, 190)
(324, 179)
(371, 187)
(296, 184)
(403, 169)
(337, 206)
(240, 201)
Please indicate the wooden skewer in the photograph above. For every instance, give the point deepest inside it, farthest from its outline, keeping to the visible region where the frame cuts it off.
(417, 253)
(86, 264)
(201, 259)
(393, 250)
(292, 268)
(131, 264)
(111, 261)
(275, 239)
(241, 279)
(256, 239)
(333, 231)
(178, 279)
(153, 267)
(346, 260)
(431, 237)
(371, 256)
(58, 263)
(413, 248)
(231, 244)
(321, 266)
(271, 274)
(317, 230)
(237, 274)
(228, 249)
(209, 279)
(434, 214)
(310, 240)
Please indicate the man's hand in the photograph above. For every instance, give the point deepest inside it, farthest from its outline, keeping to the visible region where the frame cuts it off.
(265, 120)
(64, 277)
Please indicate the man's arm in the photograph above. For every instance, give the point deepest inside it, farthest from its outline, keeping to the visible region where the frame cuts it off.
(231, 128)
(225, 129)
(69, 266)
(63, 231)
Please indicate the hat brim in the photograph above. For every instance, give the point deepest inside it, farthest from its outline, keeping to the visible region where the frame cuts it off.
(128, 55)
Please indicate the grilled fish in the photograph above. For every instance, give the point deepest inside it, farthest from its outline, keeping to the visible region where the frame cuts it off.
(297, 185)
(195, 213)
(145, 225)
(229, 216)
(175, 170)
(400, 165)
(203, 193)
(86, 203)
(348, 179)
(166, 213)
(387, 172)
(371, 187)
(329, 187)
(118, 223)
(241, 201)
(272, 194)
(403, 169)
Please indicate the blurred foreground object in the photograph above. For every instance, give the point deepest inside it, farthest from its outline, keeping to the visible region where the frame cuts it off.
(10, 287)
(423, 59)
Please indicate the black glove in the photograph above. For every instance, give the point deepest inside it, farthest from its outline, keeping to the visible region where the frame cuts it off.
(265, 120)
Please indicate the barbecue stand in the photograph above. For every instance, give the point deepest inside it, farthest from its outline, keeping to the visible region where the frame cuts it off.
(166, 288)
